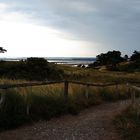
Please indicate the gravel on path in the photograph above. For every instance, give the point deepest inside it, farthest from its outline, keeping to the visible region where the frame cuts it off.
(94, 123)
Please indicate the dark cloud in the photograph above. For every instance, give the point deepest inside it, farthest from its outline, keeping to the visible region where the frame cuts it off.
(115, 24)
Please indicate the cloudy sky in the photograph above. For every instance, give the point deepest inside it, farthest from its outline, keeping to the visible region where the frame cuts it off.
(83, 28)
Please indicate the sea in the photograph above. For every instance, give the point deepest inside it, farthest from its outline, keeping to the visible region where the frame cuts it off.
(73, 61)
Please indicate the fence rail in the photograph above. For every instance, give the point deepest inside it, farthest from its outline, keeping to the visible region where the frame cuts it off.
(66, 85)
(8, 86)
(31, 84)
(91, 84)
(136, 88)
(5, 87)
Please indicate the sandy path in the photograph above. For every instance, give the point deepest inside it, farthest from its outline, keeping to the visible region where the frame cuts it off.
(94, 123)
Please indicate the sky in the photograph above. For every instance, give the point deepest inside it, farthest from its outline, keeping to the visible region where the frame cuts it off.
(69, 28)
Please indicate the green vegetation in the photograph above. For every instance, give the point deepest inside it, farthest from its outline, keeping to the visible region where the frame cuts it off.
(113, 61)
(24, 105)
(128, 123)
(98, 76)
(12, 111)
(132, 65)
(110, 59)
(135, 56)
(45, 102)
(2, 50)
(30, 69)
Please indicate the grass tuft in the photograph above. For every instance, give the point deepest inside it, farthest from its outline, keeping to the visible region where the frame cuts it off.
(128, 123)
(45, 102)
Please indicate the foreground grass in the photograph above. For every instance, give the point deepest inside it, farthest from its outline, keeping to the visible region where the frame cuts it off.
(98, 76)
(45, 102)
(128, 123)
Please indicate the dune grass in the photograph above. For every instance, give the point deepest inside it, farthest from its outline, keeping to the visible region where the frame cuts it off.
(128, 123)
(45, 102)
(99, 76)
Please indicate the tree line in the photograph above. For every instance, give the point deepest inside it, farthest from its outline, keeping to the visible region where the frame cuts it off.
(114, 61)
(30, 69)
(41, 69)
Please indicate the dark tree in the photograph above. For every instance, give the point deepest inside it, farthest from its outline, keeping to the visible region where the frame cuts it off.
(110, 58)
(2, 50)
(135, 56)
(79, 65)
(126, 57)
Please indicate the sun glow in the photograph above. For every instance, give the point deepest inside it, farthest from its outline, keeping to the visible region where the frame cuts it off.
(27, 40)
(23, 37)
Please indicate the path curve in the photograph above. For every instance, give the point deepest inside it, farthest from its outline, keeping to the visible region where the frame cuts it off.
(94, 123)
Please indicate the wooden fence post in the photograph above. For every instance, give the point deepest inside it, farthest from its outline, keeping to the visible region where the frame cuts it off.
(28, 102)
(3, 96)
(66, 88)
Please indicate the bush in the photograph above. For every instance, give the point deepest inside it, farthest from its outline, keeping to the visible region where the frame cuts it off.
(31, 69)
(46, 107)
(46, 102)
(13, 111)
(128, 123)
(129, 67)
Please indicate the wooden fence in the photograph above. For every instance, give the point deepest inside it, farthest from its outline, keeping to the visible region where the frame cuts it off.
(66, 85)
(133, 95)
(4, 87)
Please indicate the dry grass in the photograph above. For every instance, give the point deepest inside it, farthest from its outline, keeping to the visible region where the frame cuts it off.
(48, 101)
(128, 123)
(96, 76)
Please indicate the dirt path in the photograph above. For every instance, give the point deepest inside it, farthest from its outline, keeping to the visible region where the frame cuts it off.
(91, 124)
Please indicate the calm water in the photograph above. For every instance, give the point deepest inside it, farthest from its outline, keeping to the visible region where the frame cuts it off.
(72, 60)
(61, 60)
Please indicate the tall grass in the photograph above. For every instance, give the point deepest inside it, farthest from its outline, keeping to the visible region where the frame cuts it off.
(92, 75)
(128, 123)
(45, 102)
(13, 111)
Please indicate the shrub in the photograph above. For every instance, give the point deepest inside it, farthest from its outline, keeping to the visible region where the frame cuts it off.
(128, 123)
(31, 69)
(13, 111)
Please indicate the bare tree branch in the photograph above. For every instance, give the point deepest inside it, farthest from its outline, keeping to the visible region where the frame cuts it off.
(2, 50)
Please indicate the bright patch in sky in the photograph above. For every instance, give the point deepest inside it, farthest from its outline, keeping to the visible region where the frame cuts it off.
(22, 38)
(81, 28)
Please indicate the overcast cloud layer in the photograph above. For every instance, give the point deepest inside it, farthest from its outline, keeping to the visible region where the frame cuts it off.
(113, 24)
